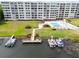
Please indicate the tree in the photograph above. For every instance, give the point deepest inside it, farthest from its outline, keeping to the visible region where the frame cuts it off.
(1, 14)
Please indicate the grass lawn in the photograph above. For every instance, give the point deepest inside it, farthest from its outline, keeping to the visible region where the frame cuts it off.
(16, 27)
(74, 21)
(70, 34)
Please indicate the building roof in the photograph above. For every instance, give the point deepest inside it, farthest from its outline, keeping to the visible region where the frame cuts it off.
(40, 0)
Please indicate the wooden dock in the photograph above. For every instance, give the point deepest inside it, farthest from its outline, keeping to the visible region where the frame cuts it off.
(31, 41)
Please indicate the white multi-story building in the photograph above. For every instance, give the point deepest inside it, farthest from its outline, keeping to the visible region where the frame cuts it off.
(40, 10)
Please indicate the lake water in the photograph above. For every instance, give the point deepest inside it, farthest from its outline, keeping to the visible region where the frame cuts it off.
(32, 51)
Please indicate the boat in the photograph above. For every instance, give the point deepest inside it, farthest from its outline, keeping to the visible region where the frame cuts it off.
(60, 43)
(10, 42)
(52, 43)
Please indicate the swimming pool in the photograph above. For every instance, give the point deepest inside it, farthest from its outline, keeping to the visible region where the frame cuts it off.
(55, 23)
(61, 25)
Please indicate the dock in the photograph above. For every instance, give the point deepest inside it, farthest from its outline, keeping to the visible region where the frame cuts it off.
(31, 41)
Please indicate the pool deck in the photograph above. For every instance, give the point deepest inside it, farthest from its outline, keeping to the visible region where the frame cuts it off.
(48, 22)
(62, 25)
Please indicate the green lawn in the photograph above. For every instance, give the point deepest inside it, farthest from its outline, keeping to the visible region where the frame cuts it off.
(74, 21)
(70, 34)
(16, 27)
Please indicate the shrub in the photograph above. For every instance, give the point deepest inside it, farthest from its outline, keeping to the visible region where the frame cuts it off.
(78, 26)
(53, 28)
(28, 27)
(46, 25)
(68, 20)
(37, 35)
(28, 36)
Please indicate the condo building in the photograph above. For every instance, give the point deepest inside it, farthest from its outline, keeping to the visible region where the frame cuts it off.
(40, 10)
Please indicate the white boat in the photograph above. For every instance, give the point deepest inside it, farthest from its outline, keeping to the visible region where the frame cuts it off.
(10, 42)
(52, 43)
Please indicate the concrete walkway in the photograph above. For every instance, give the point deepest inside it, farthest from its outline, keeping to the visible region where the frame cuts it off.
(33, 33)
(70, 26)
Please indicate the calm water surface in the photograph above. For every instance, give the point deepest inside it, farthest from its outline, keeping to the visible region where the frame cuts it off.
(32, 51)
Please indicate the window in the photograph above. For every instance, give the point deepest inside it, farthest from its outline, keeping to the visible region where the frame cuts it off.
(20, 8)
(39, 8)
(5, 2)
(27, 12)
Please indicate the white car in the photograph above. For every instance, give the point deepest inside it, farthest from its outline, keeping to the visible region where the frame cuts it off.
(10, 42)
